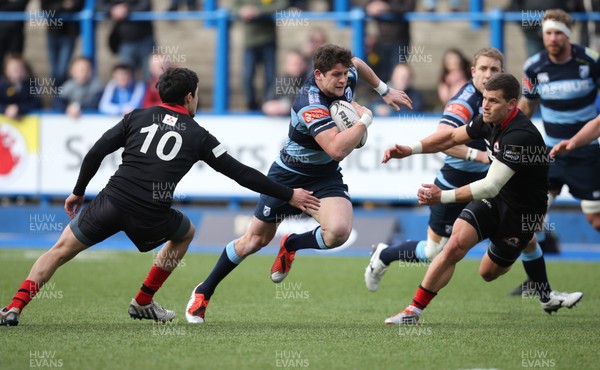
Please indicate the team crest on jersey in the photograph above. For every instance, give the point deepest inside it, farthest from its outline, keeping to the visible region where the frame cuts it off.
(513, 241)
(266, 211)
(512, 153)
(448, 229)
(496, 147)
(348, 93)
(169, 120)
(543, 78)
(584, 71)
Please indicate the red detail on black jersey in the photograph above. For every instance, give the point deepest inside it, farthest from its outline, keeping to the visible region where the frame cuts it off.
(176, 108)
(510, 118)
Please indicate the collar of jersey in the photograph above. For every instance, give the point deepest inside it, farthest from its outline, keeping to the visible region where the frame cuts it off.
(510, 118)
(177, 108)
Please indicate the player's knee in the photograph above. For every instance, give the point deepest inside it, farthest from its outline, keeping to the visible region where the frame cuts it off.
(249, 244)
(336, 235)
(454, 251)
(433, 248)
(594, 220)
(487, 275)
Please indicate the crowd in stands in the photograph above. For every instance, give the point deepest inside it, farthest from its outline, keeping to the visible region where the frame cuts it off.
(133, 81)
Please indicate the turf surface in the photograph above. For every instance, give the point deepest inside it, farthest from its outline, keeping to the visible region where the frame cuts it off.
(321, 317)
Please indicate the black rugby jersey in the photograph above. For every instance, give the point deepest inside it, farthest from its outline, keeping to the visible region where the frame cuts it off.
(518, 144)
(161, 144)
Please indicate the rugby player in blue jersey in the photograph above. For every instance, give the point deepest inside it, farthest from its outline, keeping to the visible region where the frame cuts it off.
(309, 158)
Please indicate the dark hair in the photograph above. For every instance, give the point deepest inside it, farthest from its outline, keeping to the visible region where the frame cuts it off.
(505, 82)
(465, 64)
(328, 55)
(175, 83)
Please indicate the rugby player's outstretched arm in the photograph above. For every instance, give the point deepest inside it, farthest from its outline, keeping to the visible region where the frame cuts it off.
(254, 180)
(394, 98)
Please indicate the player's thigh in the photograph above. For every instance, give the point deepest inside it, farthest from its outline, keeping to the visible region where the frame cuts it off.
(464, 237)
(580, 170)
(97, 221)
(335, 215)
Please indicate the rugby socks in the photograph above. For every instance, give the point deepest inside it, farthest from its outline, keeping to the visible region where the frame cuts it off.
(421, 299)
(26, 292)
(155, 279)
(405, 251)
(308, 240)
(228, 261)
(535, 267)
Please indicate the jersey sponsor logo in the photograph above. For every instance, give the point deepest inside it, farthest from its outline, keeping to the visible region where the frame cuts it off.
(513, 153)
(219, 150)
(487, 203)
(584, 71)
(313, 97)
(266, 211)
(314, 114)
(169, 120)
(460, 110)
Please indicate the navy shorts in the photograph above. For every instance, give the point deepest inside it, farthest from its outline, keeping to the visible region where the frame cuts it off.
(100, 219)
(579, 170)
(442, 216)
(509, 230)
(271, 209)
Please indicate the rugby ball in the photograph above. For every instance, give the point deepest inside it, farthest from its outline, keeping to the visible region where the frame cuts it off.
(345, 116)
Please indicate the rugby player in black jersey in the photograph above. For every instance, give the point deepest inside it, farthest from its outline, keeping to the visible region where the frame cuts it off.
(506, 206)
(160, 144)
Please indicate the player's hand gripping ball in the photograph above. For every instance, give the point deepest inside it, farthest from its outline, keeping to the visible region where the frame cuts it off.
(345, 116)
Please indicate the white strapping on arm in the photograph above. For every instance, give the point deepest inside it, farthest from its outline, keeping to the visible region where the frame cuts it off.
(488, 187)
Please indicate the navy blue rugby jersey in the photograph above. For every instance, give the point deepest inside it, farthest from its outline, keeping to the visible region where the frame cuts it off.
(461, 109)
(310, 116)
(567, 91)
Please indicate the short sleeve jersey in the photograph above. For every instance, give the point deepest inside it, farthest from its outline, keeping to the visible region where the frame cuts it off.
(518, 144)
(164, 139)
(567, 91)
(309, 117)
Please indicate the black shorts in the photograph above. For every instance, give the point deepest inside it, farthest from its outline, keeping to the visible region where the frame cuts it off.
(442, 216)
(271, 209)
(579, 170)
(509, 230)
(101, 219)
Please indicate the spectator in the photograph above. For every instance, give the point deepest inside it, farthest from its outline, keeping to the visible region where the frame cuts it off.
(456, 71)
(260, 43)
(430, 5)
(123, 93)
(157, 65)
(394, 34)
(11, 32)
(61, 35)
(16, 97)
(402, 79)
(83, 90)
(133, 42)
(279, 101)
(191, 5)
(316, 37)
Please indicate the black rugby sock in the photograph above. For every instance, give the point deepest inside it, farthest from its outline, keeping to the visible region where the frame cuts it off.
(223, 267)
(405, 251)
(308, 240)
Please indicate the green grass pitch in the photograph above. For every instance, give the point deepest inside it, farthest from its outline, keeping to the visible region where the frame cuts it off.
(321, 317)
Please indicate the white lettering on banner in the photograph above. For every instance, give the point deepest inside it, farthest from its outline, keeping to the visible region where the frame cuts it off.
(67, 141)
